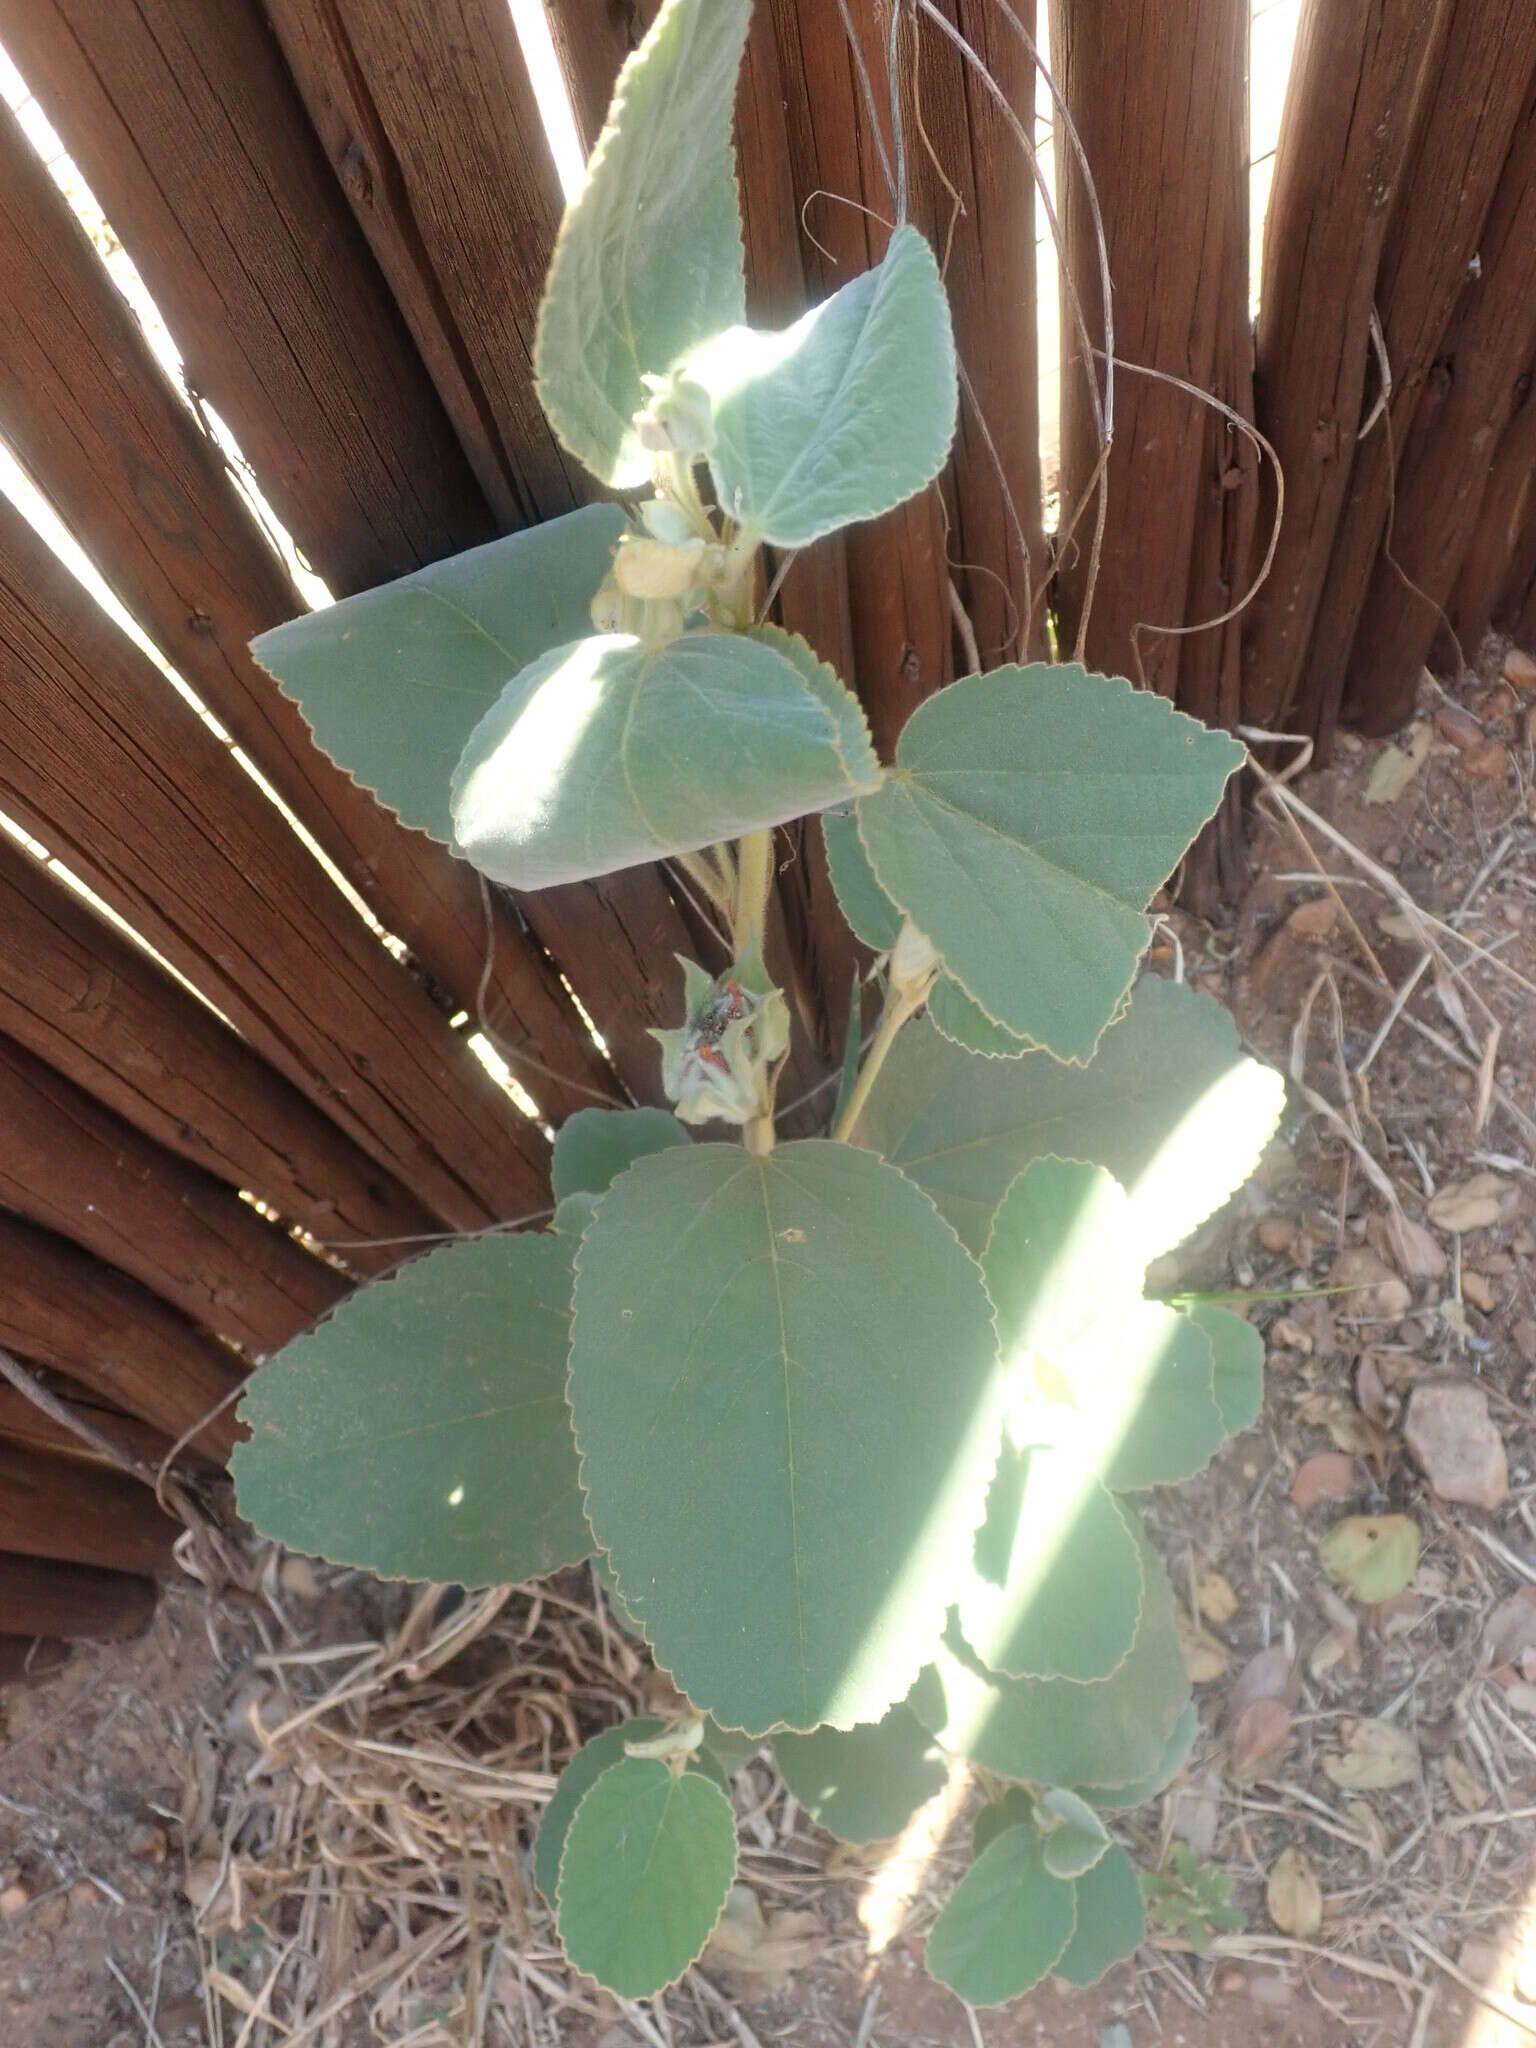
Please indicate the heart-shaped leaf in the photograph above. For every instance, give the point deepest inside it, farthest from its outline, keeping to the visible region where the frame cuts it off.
(1006, 1924)
(783, 1377)
(865, 1784)
(606, 753)
(1056, 1590)
(394, 681)
(649, 260)
(841, 416)
(1374, 1557)
(1111, 1919)
(421, 1430)
(593, 1147)
(1171, 1105)
(649, 1860)
(1031, 815)
(578, 1778)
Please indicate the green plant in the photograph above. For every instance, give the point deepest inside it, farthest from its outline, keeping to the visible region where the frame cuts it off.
(1191, 1900)
(852, 1424)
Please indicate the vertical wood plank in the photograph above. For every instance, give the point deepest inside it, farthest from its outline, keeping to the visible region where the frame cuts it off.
(1507, 502)
(1468, 403)
(1347, 124)
(1472, 100)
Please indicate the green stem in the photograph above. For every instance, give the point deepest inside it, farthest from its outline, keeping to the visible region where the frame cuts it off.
(699, 868)
(754, 879)
(901, 1006)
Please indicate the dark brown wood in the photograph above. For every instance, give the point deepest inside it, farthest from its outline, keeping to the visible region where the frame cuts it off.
(84, 998)
(24, 1660)
(1516, 612)
(973, 196)
(25, 1423)
(90, 412)
(1345, 132)
(461, 213)
(190, 130)
(1471, 100)
(75, 1167)
(1226, 509)
(1471, 397)
(81, 1514)
(1150, 89)
(592, 38)
(74, 1315)
(1491, 552)
(111, 771)
(75, 1601)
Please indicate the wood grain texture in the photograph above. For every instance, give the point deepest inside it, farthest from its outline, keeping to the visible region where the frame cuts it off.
(109, 769)
(1516, 609)
(77, 1602)
(75, 1167)
(974, 198)
(1149, 84)
(461, 214)
(1344, 136)
(1507, 502)
(89, 411)
(67, 1311)
(1471, 101)
(1485, 361)
(80, 1514)
(84, 998)
(191, 132)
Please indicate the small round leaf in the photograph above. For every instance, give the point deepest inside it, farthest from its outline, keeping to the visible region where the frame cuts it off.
(1007, 1922)
(1111, 1919)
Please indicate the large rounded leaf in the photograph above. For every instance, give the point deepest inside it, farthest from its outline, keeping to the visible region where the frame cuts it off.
(607, 752)
(1121, 1797)
(1031, 815)
(1171, 1105)
(1055, 1731)
(841, 416)
(1238, 1353)
(1056, 1589)
(649, 259)
(395, 680)
(865, 1784)
(421, 1431)
(968, 1025)
(578, 1778)
(1006, 1924)
(871, 915)
(648, 1863)
(783, 1379)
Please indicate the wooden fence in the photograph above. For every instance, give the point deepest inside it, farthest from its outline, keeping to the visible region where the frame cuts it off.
(344, 209)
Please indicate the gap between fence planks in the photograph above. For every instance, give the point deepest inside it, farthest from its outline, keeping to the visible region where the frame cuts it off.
(74, 1513)
(85, 998)
(91, 414)
(80, 1603)
(75, 1315)
(73, 1166)
(1470, 103)
(113, 773)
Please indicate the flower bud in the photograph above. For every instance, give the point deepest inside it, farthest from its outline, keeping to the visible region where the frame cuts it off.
(719, 1065)
(653, 569)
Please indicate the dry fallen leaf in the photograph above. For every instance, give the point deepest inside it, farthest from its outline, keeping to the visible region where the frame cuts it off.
(1510, 1630)
(1450, 1432)
(1294, 1896)
(766, 1948)
(1337, 1646)
(1520, 669)
(1194, 1811)
(1366, 1823)
(1377, 1755)
(1372, 1556)
(1260, 1735)
(1412, 1248)
(1331, 1475)
(1463, 1784)
(1379, 1403)
(1473, 1204)
(1459, 727)
(1375, 1290)
(1395, 767)
(1205, 1658)
(1216, 1598)
(1268, 1675)
(1479, 1291)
